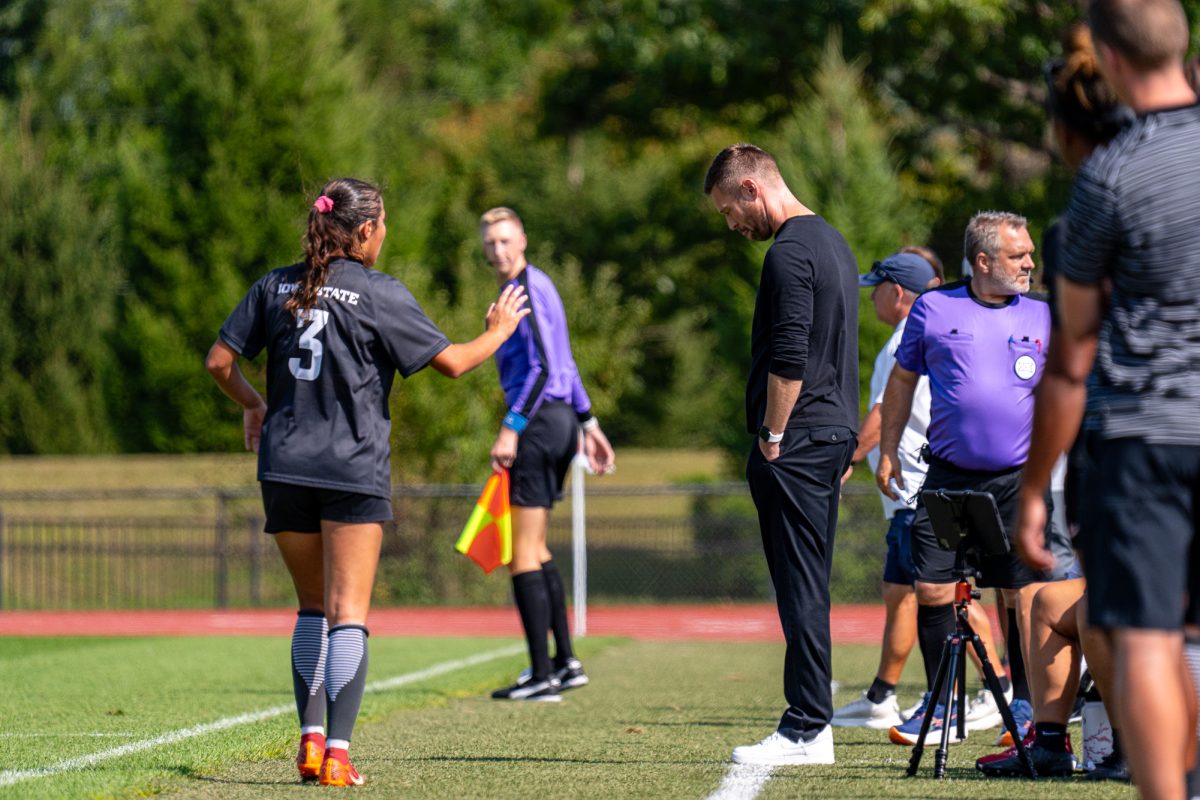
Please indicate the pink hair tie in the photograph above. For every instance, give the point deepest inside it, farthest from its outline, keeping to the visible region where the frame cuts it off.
(323, 205)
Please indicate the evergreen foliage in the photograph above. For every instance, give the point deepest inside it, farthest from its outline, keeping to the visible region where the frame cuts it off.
(156, 158)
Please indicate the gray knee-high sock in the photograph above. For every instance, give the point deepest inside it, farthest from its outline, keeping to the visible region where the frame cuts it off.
(309, 642)
(345, 680)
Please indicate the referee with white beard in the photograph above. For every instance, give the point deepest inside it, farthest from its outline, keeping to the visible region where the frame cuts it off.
(802, 401)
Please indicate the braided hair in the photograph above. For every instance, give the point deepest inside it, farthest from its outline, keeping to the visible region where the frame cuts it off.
(333, 229)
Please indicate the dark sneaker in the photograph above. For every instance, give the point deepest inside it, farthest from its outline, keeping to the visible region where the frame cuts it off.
(539, 691)
(1047, 763)
(1111, 768)
(571, 676)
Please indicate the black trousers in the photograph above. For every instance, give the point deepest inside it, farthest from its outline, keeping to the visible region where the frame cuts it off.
(797, 500)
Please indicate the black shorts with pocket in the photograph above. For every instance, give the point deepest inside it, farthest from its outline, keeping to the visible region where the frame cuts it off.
(300, 509)
(936, 565)
(544, 454)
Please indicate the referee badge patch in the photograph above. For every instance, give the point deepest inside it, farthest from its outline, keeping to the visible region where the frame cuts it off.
(1025, 366)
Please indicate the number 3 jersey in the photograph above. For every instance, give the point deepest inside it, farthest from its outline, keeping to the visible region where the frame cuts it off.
(330, 371)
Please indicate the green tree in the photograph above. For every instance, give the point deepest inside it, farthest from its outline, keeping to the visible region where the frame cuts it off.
(61, 281)
(207, 126)
(835, 154)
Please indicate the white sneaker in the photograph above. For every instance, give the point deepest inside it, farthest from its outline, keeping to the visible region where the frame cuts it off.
(779, 751)
(982, 711)
(862, 713)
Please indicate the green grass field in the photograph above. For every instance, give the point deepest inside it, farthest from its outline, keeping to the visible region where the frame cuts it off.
(658, 721)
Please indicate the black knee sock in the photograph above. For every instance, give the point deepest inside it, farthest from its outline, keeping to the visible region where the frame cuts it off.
(1016, 659)
(310, 638)
(934, 624)
(558, 614)
(345, 680)
(533, 603)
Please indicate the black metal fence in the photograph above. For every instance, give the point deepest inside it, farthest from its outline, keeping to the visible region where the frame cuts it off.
(205, 548)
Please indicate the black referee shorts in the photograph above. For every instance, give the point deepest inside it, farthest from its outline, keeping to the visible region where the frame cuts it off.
(300, 509)
(1138, 534)
(935, 565)
(544, 455)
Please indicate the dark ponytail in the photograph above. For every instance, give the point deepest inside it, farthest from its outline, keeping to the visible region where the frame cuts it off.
(1078, 94)
(333, 229)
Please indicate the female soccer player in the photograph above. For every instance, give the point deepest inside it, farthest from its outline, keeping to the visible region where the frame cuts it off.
(336, 332)
(538, 439)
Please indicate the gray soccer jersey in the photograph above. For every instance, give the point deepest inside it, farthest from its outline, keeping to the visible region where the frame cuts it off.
(1134, 218)
(329, 373)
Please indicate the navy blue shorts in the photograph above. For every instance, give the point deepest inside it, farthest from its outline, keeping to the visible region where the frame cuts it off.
(544, 454)
(898, 565)
(300, 509)
(1138, 519)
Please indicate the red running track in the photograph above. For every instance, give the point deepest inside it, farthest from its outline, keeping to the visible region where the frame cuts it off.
(850, 624)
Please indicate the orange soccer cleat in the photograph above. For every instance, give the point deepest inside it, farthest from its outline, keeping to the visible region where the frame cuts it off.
(308, 760)
(336, 770)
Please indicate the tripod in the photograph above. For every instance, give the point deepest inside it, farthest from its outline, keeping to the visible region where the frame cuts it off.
(950, 682)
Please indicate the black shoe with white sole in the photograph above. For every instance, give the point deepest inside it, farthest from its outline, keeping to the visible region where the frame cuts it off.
(540, 691)
(572, 675)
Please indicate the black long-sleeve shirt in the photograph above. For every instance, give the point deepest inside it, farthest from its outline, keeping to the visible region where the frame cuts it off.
(806, 326)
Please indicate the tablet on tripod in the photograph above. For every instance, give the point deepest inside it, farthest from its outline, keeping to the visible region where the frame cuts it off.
(970, 517)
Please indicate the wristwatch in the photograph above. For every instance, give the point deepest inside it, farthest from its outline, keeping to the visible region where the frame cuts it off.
(765, 434)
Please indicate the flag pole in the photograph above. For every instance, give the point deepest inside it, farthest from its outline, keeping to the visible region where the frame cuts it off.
(579, 544)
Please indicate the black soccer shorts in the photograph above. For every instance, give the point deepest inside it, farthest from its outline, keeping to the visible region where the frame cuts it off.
(300, 509)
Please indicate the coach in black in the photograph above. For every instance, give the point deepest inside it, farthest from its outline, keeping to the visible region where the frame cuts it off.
(1132, 232)
(802, 405)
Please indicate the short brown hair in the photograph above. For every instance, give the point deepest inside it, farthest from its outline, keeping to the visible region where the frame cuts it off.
(1149, 33)
(739, 161)
(983, 233)
(499, 214)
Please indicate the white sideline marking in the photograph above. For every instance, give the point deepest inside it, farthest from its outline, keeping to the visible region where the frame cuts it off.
(10, 777)
(742, 782)
(8, 735)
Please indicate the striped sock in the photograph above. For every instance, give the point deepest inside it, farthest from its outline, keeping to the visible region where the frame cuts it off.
(309, 640)
(345, 678)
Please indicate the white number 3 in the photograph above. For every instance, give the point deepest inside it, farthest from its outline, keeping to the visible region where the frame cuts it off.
(308, 341)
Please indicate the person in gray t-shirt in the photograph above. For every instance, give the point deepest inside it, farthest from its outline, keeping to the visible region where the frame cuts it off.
(336, 332)
(1133, 222)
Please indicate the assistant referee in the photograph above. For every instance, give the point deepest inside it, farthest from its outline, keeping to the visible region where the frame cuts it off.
(538, 439)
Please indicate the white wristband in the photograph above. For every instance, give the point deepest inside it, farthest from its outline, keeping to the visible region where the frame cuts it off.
(590, 424)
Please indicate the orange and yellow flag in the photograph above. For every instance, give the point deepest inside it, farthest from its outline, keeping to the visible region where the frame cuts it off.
(486, 539)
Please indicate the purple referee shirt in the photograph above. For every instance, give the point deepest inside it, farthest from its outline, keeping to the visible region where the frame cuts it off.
(983, 363)
(536, 363)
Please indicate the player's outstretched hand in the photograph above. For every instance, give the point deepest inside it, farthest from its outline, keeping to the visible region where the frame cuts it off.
(1031, 531)
(601, 458)
(507, 312)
